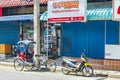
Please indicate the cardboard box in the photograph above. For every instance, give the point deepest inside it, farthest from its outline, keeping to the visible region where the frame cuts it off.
(5, 49)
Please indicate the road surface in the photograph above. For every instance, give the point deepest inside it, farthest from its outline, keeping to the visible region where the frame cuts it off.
(9, 73)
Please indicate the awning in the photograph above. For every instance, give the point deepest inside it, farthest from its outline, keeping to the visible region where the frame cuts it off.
(17, 17)
(99, 14)
(10, 3)
(92, 14)
(44, 16)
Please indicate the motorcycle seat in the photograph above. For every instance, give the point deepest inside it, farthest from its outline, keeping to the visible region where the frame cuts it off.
(74, 61)
(68, 59)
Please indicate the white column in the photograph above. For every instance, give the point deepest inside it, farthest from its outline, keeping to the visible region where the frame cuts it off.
(37, 27)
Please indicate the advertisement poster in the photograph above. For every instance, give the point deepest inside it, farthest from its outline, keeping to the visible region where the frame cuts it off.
(67, 10)
(116, 10)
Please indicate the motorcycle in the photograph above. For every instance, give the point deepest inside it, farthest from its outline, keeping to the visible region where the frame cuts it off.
(69, 65)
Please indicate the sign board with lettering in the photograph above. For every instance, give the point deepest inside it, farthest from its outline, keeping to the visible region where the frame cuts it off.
(112, 51)
(116, 10)
(67, 10)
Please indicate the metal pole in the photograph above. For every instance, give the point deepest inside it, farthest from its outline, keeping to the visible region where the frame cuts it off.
(119, 32)
(21, 32)
(47, 38)
(37, 29)
(105, 31)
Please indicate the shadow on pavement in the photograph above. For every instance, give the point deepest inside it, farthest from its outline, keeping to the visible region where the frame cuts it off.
(41, 70)
(101, 79)
(97, 75)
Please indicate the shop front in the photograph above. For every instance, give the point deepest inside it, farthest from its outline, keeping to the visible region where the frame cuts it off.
(74, 37)
(14, 14)
(11, 28)
(20, 27)
(71, 37)
(91, 35)
(50, 36)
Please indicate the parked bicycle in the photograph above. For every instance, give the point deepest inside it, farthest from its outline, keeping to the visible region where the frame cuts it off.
(25, 58)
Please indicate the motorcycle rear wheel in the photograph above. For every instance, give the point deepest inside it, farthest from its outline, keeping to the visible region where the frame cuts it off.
(65, 71)
(87, 71)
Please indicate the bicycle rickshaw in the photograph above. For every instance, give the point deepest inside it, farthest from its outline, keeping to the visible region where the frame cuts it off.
(25, 58)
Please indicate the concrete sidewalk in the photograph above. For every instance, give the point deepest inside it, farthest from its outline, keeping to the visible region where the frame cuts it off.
(97, 72)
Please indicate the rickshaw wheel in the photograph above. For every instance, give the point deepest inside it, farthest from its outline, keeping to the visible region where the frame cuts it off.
(29, 66)
(51, 64)
(18, 64)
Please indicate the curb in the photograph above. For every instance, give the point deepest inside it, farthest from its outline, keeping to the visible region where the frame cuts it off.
(114, 76)
(6, 64)
(100, 75)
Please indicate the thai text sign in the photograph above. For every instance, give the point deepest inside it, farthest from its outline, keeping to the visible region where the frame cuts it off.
(67, 10)
(116, 9)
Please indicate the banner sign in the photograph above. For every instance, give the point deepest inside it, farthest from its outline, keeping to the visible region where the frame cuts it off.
(67, 10)
(0, 11)
(116, 9)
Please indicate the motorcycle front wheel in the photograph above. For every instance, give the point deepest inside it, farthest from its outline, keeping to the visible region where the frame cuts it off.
(65, 71)
(87, 71)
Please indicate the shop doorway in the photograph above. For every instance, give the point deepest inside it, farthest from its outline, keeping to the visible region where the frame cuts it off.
(51, 39)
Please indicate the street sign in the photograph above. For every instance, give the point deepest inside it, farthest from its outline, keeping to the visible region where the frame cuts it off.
(67, 10)
(116, 10)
